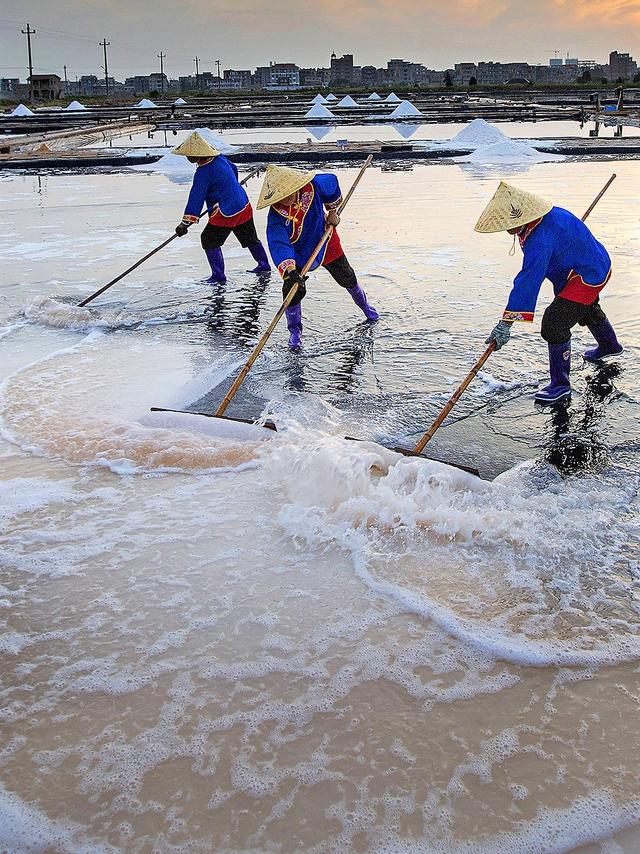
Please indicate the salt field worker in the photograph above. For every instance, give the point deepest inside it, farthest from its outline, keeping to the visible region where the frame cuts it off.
(215, 183)
(557, 246)
(302, 205)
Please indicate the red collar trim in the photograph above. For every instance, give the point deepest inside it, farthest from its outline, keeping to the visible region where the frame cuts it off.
(526, 230)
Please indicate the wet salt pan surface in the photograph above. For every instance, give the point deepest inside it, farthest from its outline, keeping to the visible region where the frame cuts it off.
(304, 643)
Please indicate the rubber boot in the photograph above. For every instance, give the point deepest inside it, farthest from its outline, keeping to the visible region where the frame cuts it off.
(259, 255)
(294, 325)
(559, 389)
(216, 262)
(360, 299)
(608, 344)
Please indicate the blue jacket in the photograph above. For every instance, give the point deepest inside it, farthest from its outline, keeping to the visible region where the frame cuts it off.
(293, 237)
(216, 183)
(557, 246)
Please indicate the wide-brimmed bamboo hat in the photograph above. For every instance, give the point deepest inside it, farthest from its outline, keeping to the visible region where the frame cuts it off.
(280, 182)
(511, 208)
(195, 146)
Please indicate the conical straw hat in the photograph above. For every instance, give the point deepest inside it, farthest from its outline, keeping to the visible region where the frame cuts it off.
(196, 146)
(511, 208)
(280, 182)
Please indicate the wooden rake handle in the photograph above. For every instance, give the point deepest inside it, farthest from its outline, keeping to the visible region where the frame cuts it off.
(286, 302)
(428, 436)
(150, 254)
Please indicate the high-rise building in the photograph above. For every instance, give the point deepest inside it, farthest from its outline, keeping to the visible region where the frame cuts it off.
(622, 65)
(341, 69)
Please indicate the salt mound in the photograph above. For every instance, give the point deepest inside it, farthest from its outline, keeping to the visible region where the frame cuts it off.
(319, 99)
(319, 111)
(509, 151)
(374, 97)
(405, 109)
(21, 110)
(145, 104)
(331, 97)
(477, 133)
(392, 98)
(347, 101)
(75, 105)
(179, 102)
(176, 164)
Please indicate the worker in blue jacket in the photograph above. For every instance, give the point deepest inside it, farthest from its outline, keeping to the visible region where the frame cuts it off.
(216, 185)
(558, 246)
(302, 205)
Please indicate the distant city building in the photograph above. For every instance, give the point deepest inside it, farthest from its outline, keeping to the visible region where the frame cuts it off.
(622, 65)
(237, 79)
(278, 76)
(45, 87)
(341, 70)
(555, 63)
(315, 78)
(8, 86)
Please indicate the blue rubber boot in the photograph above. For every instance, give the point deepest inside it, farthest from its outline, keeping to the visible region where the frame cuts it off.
(360, 299)
(294, 325)
(559, 389)
(259, 255)
(216, 262)
(608, 344)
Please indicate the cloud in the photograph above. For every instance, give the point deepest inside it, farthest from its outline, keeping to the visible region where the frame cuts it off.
(600, 14)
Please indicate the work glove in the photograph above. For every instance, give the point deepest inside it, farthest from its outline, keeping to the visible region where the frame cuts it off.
(290, 279)
(181, 229)
(500, 334)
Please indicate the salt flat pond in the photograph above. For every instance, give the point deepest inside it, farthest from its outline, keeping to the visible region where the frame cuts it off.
(309, 644)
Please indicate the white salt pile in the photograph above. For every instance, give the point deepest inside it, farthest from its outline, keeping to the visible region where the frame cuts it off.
(347, 101)
(179, 102)
(319, 99)
(374, 97)
(331, 97)
(509, 151)
(75, 105)
(319, 112)
(145, 104)
(477, 133)
(175, 164)
(405, 109)
(392, 98)
(21, 110)
(490, 145)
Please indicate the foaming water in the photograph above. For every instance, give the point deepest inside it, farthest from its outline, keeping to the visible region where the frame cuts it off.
(218, 638)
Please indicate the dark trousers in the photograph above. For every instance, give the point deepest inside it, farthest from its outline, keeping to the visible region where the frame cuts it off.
(342, 272)
(214, 236)
(563, 314)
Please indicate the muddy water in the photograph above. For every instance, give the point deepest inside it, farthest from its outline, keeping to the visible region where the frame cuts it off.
(291, 643)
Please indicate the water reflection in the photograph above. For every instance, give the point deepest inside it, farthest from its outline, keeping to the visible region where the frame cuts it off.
(576, 445)
(237, 314)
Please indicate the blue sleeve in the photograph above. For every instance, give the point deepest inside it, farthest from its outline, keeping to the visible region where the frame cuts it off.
(198, 194)
(526, 285)
(279, 243)
(328, 189)
(234, 167)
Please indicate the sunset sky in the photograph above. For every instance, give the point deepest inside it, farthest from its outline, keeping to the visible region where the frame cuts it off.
(246, 33)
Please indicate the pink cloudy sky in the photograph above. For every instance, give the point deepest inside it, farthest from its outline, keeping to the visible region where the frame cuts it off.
(246, 33)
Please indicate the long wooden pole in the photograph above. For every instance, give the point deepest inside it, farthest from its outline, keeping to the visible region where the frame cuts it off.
(267, 334)
(455, 397)
(149, 254)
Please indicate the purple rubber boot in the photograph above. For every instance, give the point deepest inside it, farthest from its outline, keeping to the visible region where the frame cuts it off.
(559, 389)
(608, 344)
(294, 325)
(216, 262)
(259, 255)
(360, 299)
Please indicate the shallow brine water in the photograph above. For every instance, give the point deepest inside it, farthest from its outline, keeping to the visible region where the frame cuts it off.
(305, 643)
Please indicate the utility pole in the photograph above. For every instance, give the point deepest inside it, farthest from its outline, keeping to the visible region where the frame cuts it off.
(66, 82)
(105, 44)
(161, 57)
(196, 59)
(28, 33)
(218, 64)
